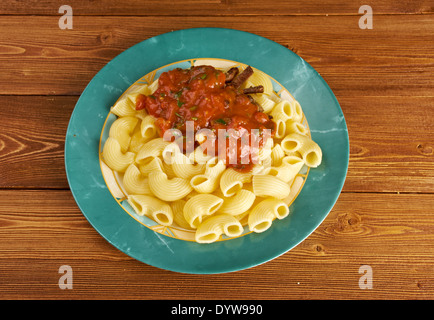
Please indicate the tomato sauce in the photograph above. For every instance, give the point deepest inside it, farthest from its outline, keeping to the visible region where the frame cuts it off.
(200, 94)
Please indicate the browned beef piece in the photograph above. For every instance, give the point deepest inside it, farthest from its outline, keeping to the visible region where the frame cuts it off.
(231, 74)
(256, 89)
(242, 77)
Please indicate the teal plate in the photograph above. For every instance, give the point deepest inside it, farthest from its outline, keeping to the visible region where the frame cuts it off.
(317, 197)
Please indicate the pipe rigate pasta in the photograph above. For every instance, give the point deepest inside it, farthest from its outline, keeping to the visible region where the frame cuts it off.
(150, 206)
(270, 186)
(201, 193)
(168, 189)
(200, 206)
(135, 182)
(213, 227)
(262, 215)
(114, 157)
(309, 149)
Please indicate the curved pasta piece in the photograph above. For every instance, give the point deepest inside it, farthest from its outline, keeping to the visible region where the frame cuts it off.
(122, 129)
(232, 181)
(135, 182)
(265, 102)
(270, 186)
(281, 113)
(293, 160)
(200, 156)
(184, 168)
(266, 163)
(292, 143)
(124, 107)
(277, 154)
(150, 150)
(298, 112)
(213, 227)
(168, 189)
(169, 152)
(308, 149)
(152, 207)
(137, 140)
(203, 183)
(265, 151)
(215, 167)
(114, 157)
(287, 170)
(148, 129)
(200, 206)
(258, 168)
(283, 110)
(168, 169)
(295, 127)
(178, 214)
(262, 215)
(141, 114)
(239, 203)
(208, 182)
(280, 128)
(154, 165)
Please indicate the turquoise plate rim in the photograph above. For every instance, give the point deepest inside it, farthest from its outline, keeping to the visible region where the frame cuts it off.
(318, 196)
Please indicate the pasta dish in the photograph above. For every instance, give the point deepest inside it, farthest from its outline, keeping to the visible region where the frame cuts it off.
(210, 149)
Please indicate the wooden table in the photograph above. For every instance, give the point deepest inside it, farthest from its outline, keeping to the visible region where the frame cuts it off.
(383, 78)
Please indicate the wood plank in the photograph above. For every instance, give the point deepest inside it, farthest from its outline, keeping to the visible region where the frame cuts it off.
(391, 144)
(215, 7)
(32, 141)
(392, 233)
(396, 59)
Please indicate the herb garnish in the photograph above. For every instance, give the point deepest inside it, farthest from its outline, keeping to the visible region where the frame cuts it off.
(177, 94)
(221, 121)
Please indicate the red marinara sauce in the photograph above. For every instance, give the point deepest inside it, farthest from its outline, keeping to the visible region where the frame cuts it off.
(200, 94)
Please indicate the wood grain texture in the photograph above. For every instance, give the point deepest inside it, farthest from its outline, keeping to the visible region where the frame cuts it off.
(391, 233)
(383, 79)
(393, 59)
(212, 7)
(32, 141)
(391, 144)
(384, 156)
